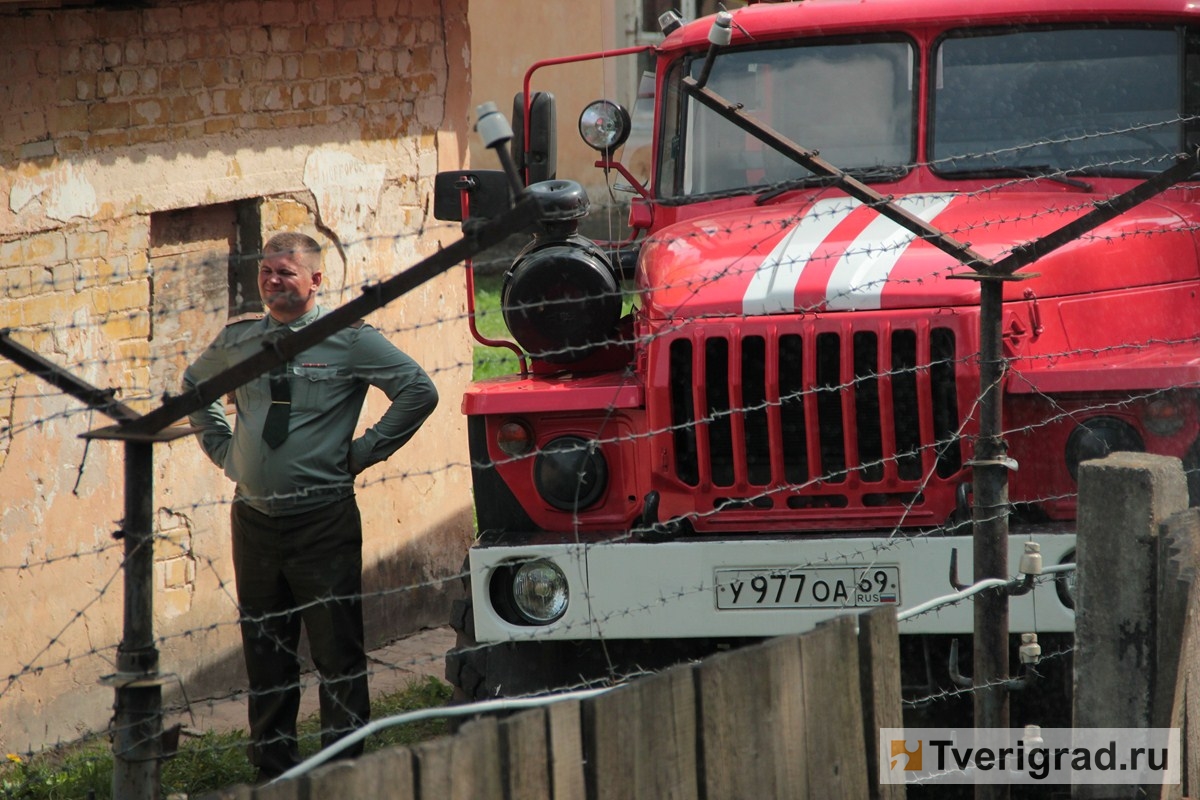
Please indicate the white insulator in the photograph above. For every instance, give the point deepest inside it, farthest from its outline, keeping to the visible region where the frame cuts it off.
(493, 128)
(1031, 559)
(1030, 650)
(721, 32)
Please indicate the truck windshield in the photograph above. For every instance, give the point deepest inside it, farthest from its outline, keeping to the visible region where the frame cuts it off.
(852, 101)
(1103, 101)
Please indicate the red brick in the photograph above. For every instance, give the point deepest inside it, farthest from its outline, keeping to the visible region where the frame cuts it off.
(202, 15)
(165, 19)
(151, 111)
(33, 126)
(68, 118)
(156, 51)
(149, 134)
(221, 125)
(148, 81)
(293, 119)
(190, 76)
(245, 12)
(74, 26)
(231, 101)
(106, 85)
(355, 9)
(91, 56)
(287, 40)
(213, 74)
(310, 66)
(135, 52)
(49, 58)
(127, 82)
(349, 90)
(112, 54)
(278, 12)
(43, 91)
(185, 109)
(109, 140)
(70, 59)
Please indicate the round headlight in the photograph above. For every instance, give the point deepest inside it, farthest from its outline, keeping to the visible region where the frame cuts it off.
(540, 591)
(604, 125)
(1097, 437)
(570, 473)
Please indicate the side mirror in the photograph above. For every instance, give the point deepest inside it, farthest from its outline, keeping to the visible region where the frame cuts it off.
(537, 160)
(487, 194)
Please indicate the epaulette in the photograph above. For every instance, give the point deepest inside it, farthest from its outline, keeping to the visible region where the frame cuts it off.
(250, 316)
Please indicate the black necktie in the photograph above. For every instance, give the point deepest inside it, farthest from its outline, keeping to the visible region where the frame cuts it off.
(275, 430)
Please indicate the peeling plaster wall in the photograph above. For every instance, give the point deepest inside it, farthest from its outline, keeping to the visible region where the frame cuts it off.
(331, 117)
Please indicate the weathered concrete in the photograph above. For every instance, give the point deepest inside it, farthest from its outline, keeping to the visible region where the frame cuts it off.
(1123, 499)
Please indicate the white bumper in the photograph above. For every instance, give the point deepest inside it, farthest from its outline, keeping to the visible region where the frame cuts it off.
(670, 589)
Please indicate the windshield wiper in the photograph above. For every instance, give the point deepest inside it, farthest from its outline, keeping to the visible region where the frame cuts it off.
(808, 181)
(1036, 171)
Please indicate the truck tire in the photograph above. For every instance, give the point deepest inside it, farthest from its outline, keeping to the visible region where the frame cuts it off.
(466, 663)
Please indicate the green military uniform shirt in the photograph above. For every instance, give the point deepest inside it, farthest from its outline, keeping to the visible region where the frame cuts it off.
(317, 463)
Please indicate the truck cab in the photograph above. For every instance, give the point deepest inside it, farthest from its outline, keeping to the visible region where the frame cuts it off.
(760, 409)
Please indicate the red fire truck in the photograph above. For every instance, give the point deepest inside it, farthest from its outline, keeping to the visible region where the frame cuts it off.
(783, 427)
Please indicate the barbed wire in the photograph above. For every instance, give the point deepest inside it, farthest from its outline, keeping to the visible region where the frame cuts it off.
(206, 547)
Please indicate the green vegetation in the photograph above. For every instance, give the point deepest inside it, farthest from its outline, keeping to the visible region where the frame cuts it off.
(491, 362)
(204, 763)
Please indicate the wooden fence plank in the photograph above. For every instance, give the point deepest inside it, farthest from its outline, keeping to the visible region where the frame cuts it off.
(465, 766)
(879, 670)
(384, 773)
(566, 750)
(643, 739)
(752, 722)
(291, 789)
(475, 770)
(432, 767)
(329, 781)
(833, 711)
(524, 741)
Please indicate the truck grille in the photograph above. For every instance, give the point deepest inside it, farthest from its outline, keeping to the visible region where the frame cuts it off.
(872, 412)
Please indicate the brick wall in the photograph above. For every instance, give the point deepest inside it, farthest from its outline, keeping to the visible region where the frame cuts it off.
(327, 116)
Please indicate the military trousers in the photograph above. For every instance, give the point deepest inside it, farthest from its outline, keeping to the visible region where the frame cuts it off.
(303, 568)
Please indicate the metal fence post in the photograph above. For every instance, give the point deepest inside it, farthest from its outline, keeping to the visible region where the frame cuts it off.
(137, 725)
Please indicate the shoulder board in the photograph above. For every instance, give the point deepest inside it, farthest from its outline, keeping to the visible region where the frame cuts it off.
(253, 316)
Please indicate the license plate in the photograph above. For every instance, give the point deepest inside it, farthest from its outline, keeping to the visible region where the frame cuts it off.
(811, 587)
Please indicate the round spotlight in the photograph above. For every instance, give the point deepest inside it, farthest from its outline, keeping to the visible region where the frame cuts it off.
(540, 592)
(1098, 437)
(604, 126)
(570, 473)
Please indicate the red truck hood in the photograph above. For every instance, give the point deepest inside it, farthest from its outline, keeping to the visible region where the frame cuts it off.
(835, 254)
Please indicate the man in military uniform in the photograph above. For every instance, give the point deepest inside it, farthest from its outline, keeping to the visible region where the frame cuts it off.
(297, 534)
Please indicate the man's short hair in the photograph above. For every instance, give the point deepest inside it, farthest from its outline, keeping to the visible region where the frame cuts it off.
(306, 248)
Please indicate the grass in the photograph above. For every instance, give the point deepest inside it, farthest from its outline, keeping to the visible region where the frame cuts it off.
(491, 362)
(208, 762)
